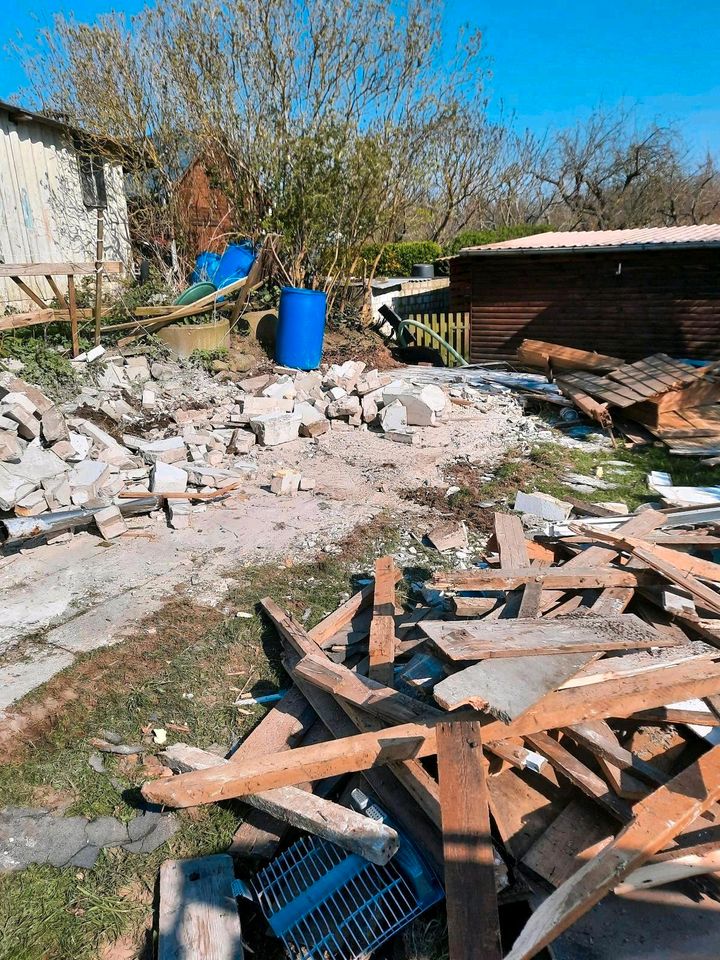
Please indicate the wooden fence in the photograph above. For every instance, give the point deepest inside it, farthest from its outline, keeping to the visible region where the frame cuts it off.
(452, 327)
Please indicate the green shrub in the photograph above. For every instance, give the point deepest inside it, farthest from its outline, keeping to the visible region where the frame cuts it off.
(397, 259)
(42, 365)
(476, 238)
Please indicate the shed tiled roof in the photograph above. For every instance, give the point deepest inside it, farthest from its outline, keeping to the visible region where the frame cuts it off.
(704, 235)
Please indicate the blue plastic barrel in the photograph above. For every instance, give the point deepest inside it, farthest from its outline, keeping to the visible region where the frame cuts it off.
(301, 328)
(206, 266)
(234, 263)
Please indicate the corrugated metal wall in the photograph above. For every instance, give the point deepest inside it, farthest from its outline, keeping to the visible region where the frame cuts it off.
(628, 305)
(42, 215)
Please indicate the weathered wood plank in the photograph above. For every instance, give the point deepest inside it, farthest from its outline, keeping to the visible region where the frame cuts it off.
(381, 645)
(463, 640)
(472, 910)
(353, 831)
(56, 269)
(657, 820)
(197, 915)
(507, 687)
(552, 578)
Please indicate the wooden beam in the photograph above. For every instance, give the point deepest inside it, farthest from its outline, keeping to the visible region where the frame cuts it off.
(554, 578)
(621, 697)
(597, 737)
(508, 687)
(657, 820)
(346, 755)
(471, 900)
(353, 831)
(579, 775)
(463, 640)
(72, 307)
(197, 914)
(382, 628)
(17, 321)
(324, 631)
(28, 291)
(56, 269)
(59, 296)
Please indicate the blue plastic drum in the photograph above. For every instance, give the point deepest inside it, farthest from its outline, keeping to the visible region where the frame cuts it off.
(301, 328)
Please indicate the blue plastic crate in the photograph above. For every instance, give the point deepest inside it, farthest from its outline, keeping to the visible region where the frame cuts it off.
(328, 904)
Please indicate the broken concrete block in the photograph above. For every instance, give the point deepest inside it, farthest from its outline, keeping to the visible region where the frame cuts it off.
(241, 441)
(31, 504)
(419, 413)
(393, 417)
(98, 436)
(89, 473)
(163, 371)
(542, 505)
(168, 479)
(111, 376)
(345, 407)
(169, 450)
(369, 382)
(256, 406)
(179, 514)
(252, 385)
(307, 483)
(369, 409)
(37, 464)
(16, 385)
(148, 399)
(16, 397)
(344, 375)
(285, 483)
(110, 522)
(449, 536)
(53, 426)
(401, 436)
(12, 488)
(8, 425)
(11, 449)
(336, 393)
(284, 388)
(137, 369)
(313, 423)
(27, 423)
(272, 429)
(57, 493)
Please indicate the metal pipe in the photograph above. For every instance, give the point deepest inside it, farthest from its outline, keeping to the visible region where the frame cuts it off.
(17, 529)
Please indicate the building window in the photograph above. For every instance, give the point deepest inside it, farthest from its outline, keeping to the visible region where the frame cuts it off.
(92, 180)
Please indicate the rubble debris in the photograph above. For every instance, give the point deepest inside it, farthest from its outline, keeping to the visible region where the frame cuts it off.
(449, 536)
(551, 671)
(542, 505)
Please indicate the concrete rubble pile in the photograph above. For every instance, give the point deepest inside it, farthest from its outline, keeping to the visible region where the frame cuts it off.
(182, 436)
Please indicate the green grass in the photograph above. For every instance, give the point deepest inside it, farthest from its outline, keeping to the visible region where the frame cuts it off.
(543, 469)
(54, 914)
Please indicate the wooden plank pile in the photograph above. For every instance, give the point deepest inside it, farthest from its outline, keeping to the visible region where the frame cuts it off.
(673, 401)
(527, 750)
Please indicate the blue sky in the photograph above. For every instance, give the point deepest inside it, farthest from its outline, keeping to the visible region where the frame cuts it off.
(552, 60)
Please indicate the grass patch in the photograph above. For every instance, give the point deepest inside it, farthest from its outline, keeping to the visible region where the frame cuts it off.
(543, 469)
(180, 667)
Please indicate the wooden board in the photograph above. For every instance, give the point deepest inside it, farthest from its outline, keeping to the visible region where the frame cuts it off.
(368, 838)
(658, 819)
(197, 913)
(510, 539)
(554, 578)
(381, 645)
(538, 353)
(346, 755)
(509, 686)
(578, 832)
(17, 321)
(56, 269)
(523, 805)
(478, 640)
(471, 901)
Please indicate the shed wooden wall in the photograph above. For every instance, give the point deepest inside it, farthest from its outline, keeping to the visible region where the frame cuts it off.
(659, 301)
(42, 215)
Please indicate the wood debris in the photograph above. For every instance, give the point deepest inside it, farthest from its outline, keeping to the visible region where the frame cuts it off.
(548, 776)
(676, 402)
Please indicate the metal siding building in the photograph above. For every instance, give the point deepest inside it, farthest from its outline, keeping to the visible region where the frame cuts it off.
(42, 214)
(626, 293)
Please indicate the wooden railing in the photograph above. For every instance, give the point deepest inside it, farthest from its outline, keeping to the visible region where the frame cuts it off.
(454, 328)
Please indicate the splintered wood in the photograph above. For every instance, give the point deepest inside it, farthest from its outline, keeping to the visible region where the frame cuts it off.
(557, 698)
(675, 401)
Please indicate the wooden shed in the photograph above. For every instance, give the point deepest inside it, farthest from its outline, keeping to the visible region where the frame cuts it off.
(628, 293)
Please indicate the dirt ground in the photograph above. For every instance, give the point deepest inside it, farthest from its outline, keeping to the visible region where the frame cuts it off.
(61, 601)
